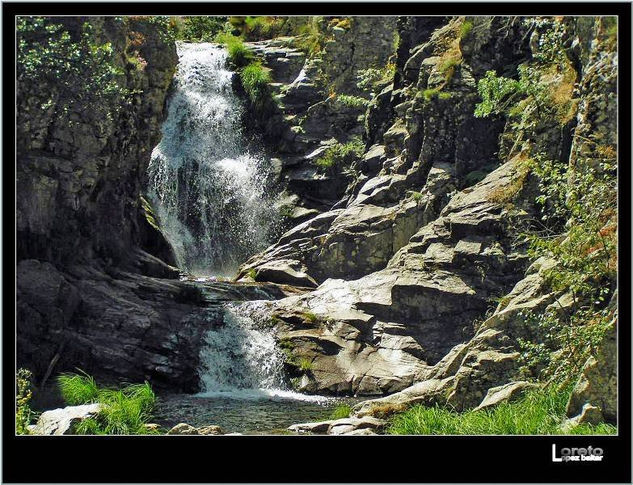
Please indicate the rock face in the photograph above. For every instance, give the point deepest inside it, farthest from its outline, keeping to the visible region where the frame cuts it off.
(63, 421)
(88, 172)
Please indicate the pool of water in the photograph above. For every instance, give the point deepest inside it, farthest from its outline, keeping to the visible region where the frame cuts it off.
(247, 412)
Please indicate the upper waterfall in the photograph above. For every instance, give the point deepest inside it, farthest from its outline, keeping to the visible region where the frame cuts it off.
(209, 192)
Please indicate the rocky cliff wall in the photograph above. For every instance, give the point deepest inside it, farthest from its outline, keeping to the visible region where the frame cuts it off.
(410, 263)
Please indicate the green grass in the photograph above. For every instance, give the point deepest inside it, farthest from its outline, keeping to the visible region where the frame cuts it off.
(340, 155)
(341, 411)
(124, 411)
(239, 54)
(310, 317)
(78, 389)
(255, 79)
(540, 412)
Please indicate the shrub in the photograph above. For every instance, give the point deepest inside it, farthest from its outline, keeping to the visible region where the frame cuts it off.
(305, 364)
(124, 411)
(340, 154)
(255, 79)
(539, 412)
(23, 412)
(259, 28)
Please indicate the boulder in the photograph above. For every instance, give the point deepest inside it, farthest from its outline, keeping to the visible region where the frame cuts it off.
(184, 429)
(63, 421)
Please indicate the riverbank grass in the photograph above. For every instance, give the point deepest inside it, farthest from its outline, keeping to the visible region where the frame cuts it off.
(540, 412)
(125, 411)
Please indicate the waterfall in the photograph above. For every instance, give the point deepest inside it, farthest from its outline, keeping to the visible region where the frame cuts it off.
(209, 193)
(241, 360)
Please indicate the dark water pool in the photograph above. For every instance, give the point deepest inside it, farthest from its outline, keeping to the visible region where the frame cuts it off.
(249, 412)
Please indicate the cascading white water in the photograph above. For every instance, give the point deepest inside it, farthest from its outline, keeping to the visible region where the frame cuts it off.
(240, 359)
(208, 191)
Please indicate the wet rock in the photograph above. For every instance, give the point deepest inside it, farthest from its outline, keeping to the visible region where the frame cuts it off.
(63, 421)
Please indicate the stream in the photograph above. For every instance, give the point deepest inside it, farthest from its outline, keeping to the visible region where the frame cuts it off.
(216, 207)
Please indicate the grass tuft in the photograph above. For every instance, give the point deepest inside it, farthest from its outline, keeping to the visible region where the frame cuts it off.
(124, 411)
(341, 411)
(239, 54)
(255, 79)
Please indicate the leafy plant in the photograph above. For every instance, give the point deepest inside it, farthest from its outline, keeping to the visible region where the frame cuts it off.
(23, 412)
(372, 79)
(351, 101)
(81, 70)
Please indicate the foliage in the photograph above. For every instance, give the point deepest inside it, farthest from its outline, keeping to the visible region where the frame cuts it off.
(372, 79)
(255, 79)
(260, 28)
(23, 412)
(252, 273)
(339, 155)
(81, 68)
(576, 219)
(311, 37)
(349, 101)
(310, 317)
(543, 92)
(199, 28)
(539, 412)
(239, 54)
(124, 411)
(305, 364)
(341, 411)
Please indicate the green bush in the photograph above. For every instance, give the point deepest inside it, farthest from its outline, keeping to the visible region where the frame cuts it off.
(373, 79)
(340, 155)
(255, 79)
(465, 29)
(124, 411)
(539, 412)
